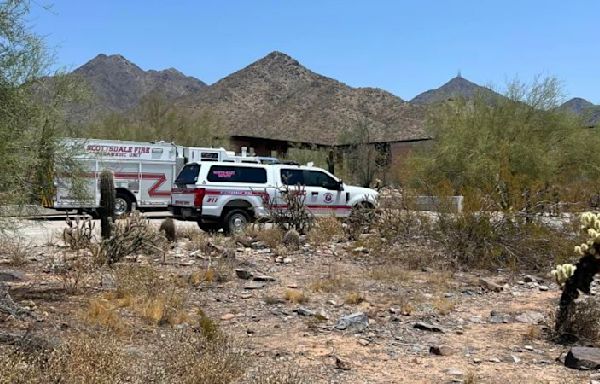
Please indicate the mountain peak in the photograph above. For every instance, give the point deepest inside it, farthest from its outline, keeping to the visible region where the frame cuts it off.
(456, 87)
(118, 85)
(583, 108)
(577, 104)
(113, 58)
(277, 58)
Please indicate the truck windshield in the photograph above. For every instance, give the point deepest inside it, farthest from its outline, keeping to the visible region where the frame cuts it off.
(188, 175)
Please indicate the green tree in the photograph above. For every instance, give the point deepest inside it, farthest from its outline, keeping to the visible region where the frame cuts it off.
(155, 119)
(362, 159)
(31, 109)
(518, 150)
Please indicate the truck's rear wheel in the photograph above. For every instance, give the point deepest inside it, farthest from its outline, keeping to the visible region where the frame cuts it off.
(235, 221)
(123, 203)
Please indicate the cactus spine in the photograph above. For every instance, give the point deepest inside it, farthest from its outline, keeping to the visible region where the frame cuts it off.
(107, 203)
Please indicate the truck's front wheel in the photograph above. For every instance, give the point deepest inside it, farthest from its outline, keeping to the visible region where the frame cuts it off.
(235, 221)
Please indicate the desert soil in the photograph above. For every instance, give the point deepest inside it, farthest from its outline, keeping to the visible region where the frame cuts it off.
(474, 334)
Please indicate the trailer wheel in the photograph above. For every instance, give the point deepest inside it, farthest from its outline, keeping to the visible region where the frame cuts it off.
(123, 203)
(235, 221)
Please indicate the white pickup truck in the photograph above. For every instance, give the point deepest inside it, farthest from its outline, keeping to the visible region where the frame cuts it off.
(228, 196)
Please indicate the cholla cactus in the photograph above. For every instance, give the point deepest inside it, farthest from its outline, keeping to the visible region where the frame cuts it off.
(575, 279)
(563, 272)
(590, 224)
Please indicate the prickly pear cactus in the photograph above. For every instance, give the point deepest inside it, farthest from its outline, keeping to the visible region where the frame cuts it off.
(107, 203)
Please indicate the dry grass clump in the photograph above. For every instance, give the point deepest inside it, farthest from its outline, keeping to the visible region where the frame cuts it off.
(14, 249)
(157, 299)
(533, 332)
(391, 273)
(444, 306)
(198, 242)
(325, 229)
(272, 237)
(332, 285)
(189, 357)
(295, 296)
(102, 312)
(86, 359)
(79, 359)
(354, 298)
(218, 273)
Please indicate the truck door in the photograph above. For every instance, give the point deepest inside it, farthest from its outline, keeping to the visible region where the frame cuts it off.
(323, 196)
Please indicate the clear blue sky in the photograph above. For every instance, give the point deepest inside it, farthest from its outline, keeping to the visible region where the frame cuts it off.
(405, 47)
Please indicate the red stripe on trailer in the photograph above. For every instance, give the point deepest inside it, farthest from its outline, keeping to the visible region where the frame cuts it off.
(160, 178)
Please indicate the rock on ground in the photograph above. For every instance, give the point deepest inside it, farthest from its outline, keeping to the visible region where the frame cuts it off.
(583, 358)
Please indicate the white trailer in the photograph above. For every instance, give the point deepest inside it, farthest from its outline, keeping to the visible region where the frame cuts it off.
(143, 172)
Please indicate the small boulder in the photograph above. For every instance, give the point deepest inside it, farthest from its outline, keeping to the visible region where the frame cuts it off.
(243, 274)
(530, 317)
(11, 276)
(428, 327)
(490, 285)
(291, 240)
(254, 285)
(302, 311)
(356, 322)
(263, 278)
(441, 350)
(583, 358)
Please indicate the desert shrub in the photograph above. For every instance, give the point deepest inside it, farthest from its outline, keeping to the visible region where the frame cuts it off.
(79, 233)
(86, 359)
(156, 298)
(360, 221)
(324, 230)
(79, 359)
(481, 240)
(73, 268)
(131, 235)
(14, 249)
(189, 357)
(289, 211)
(396, 220)
(582, 320)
